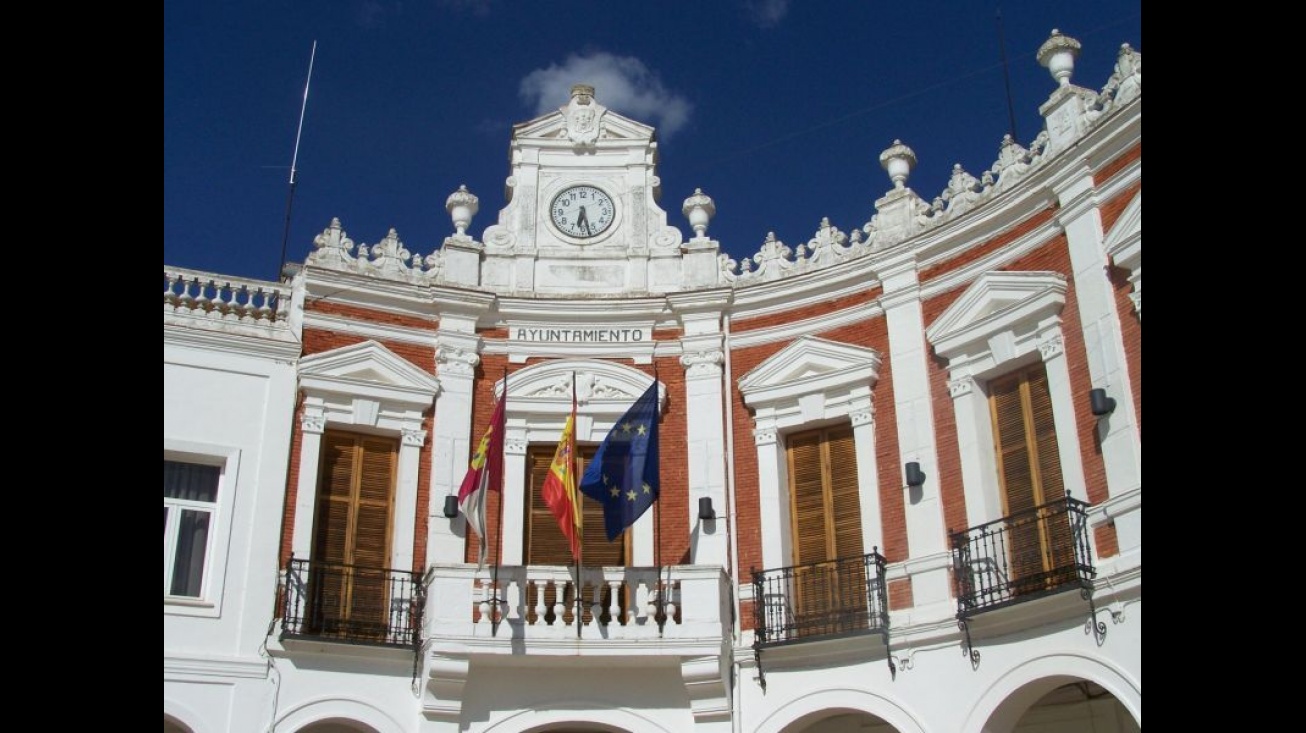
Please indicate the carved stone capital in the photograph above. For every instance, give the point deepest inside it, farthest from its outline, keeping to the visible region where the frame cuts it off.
(1137, 298)
(414, 437)
(454, 360)
(703, 363)
(764, 436)
(1051, 347)
(862, 417)
(514, 446)
(315, 424)
(961, 386)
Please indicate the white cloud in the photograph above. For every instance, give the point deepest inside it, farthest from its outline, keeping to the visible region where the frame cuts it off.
(622, 83)
(767, 13)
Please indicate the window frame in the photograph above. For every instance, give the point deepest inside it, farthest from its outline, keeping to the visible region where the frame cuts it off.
(213, 579)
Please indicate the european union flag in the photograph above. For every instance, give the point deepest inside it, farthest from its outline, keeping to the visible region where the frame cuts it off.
(623, 476)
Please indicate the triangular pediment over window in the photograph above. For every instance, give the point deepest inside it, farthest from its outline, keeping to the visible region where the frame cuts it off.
(810, 365)
(367, 369)
(997, 305)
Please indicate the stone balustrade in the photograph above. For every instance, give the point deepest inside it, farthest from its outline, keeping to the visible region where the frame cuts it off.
(220, 298)
(538, 602)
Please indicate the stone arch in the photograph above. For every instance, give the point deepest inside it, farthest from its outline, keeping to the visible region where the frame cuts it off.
(1011, 694)
(844, 700)
(338, 710)
(577, 714)
(183, 717)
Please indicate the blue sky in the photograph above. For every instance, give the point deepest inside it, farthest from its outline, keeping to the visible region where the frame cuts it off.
(776, 109)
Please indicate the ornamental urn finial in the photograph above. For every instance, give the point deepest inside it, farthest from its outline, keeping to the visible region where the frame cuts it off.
(1058, 54)
(699, 209)
(898, 160)
(462, 205)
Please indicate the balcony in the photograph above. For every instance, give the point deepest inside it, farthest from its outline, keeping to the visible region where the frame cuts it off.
(609, 606)
(820, 600)
(1018, 558)
(352, 604)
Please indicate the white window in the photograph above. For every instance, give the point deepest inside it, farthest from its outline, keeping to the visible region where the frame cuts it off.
(190, 504)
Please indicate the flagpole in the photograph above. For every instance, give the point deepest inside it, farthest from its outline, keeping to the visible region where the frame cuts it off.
(496, 614)
(580, 544)
(657, 518)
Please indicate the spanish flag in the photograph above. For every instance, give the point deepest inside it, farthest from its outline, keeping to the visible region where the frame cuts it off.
(559, 489)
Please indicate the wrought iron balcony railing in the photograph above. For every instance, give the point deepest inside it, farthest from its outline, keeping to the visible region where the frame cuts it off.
(353, 604)
(820, 600)
(1027, 555)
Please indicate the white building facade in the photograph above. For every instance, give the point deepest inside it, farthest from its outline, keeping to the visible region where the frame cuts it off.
(900, 468)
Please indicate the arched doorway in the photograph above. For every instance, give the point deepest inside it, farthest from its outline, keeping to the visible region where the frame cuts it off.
(837, 721)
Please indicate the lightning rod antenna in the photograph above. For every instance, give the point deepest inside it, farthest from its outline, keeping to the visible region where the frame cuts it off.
(294, 160)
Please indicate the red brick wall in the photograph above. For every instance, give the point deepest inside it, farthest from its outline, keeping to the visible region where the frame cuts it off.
(317, 341)
(951, 489)
(292, 482)
(900, 596)
(673, 468)
(1131, 332)
(999, 241)
(1109, 171)
(1107, 544)
(744, 325)
(369, 315)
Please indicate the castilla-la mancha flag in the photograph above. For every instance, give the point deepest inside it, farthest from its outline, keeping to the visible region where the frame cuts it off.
(485, 474)
(559, 489)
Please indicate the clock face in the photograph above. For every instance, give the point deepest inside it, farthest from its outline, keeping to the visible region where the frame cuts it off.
(583, 212)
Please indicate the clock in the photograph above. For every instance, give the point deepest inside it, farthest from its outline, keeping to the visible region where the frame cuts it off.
(582, 212)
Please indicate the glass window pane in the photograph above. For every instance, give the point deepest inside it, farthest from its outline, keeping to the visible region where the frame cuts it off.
(190, 481)
(192, 539)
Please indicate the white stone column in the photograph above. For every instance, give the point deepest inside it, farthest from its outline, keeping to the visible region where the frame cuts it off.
(702, 356)
(456, 359)
(979, 468)
(911, 365)
(1117, 433)
(311, 426)
(513, 501)
(705, 441)
(405, 522)
(868, 482)
(1052, 348)
(773, 499)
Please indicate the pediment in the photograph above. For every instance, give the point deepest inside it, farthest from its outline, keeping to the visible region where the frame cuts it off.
(1124, 242)
(365, 367)
(595, 381)
(996, 302)
(553, 126)
(811, 364)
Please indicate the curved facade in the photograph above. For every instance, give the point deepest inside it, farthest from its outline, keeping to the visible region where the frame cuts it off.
(899, 477)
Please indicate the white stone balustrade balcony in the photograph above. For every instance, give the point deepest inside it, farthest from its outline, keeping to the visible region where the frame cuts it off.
(205, 296)
(537, 603)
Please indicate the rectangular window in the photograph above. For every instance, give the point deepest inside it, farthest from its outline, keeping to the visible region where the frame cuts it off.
(825, 511)
(1041, 545)
(190, 502)
(546, 545)
(351, 534)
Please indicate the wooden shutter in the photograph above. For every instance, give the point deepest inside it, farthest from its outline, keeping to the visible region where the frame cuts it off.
(351, 538)
(1029, 473)
(829, 584)
(544, 540)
